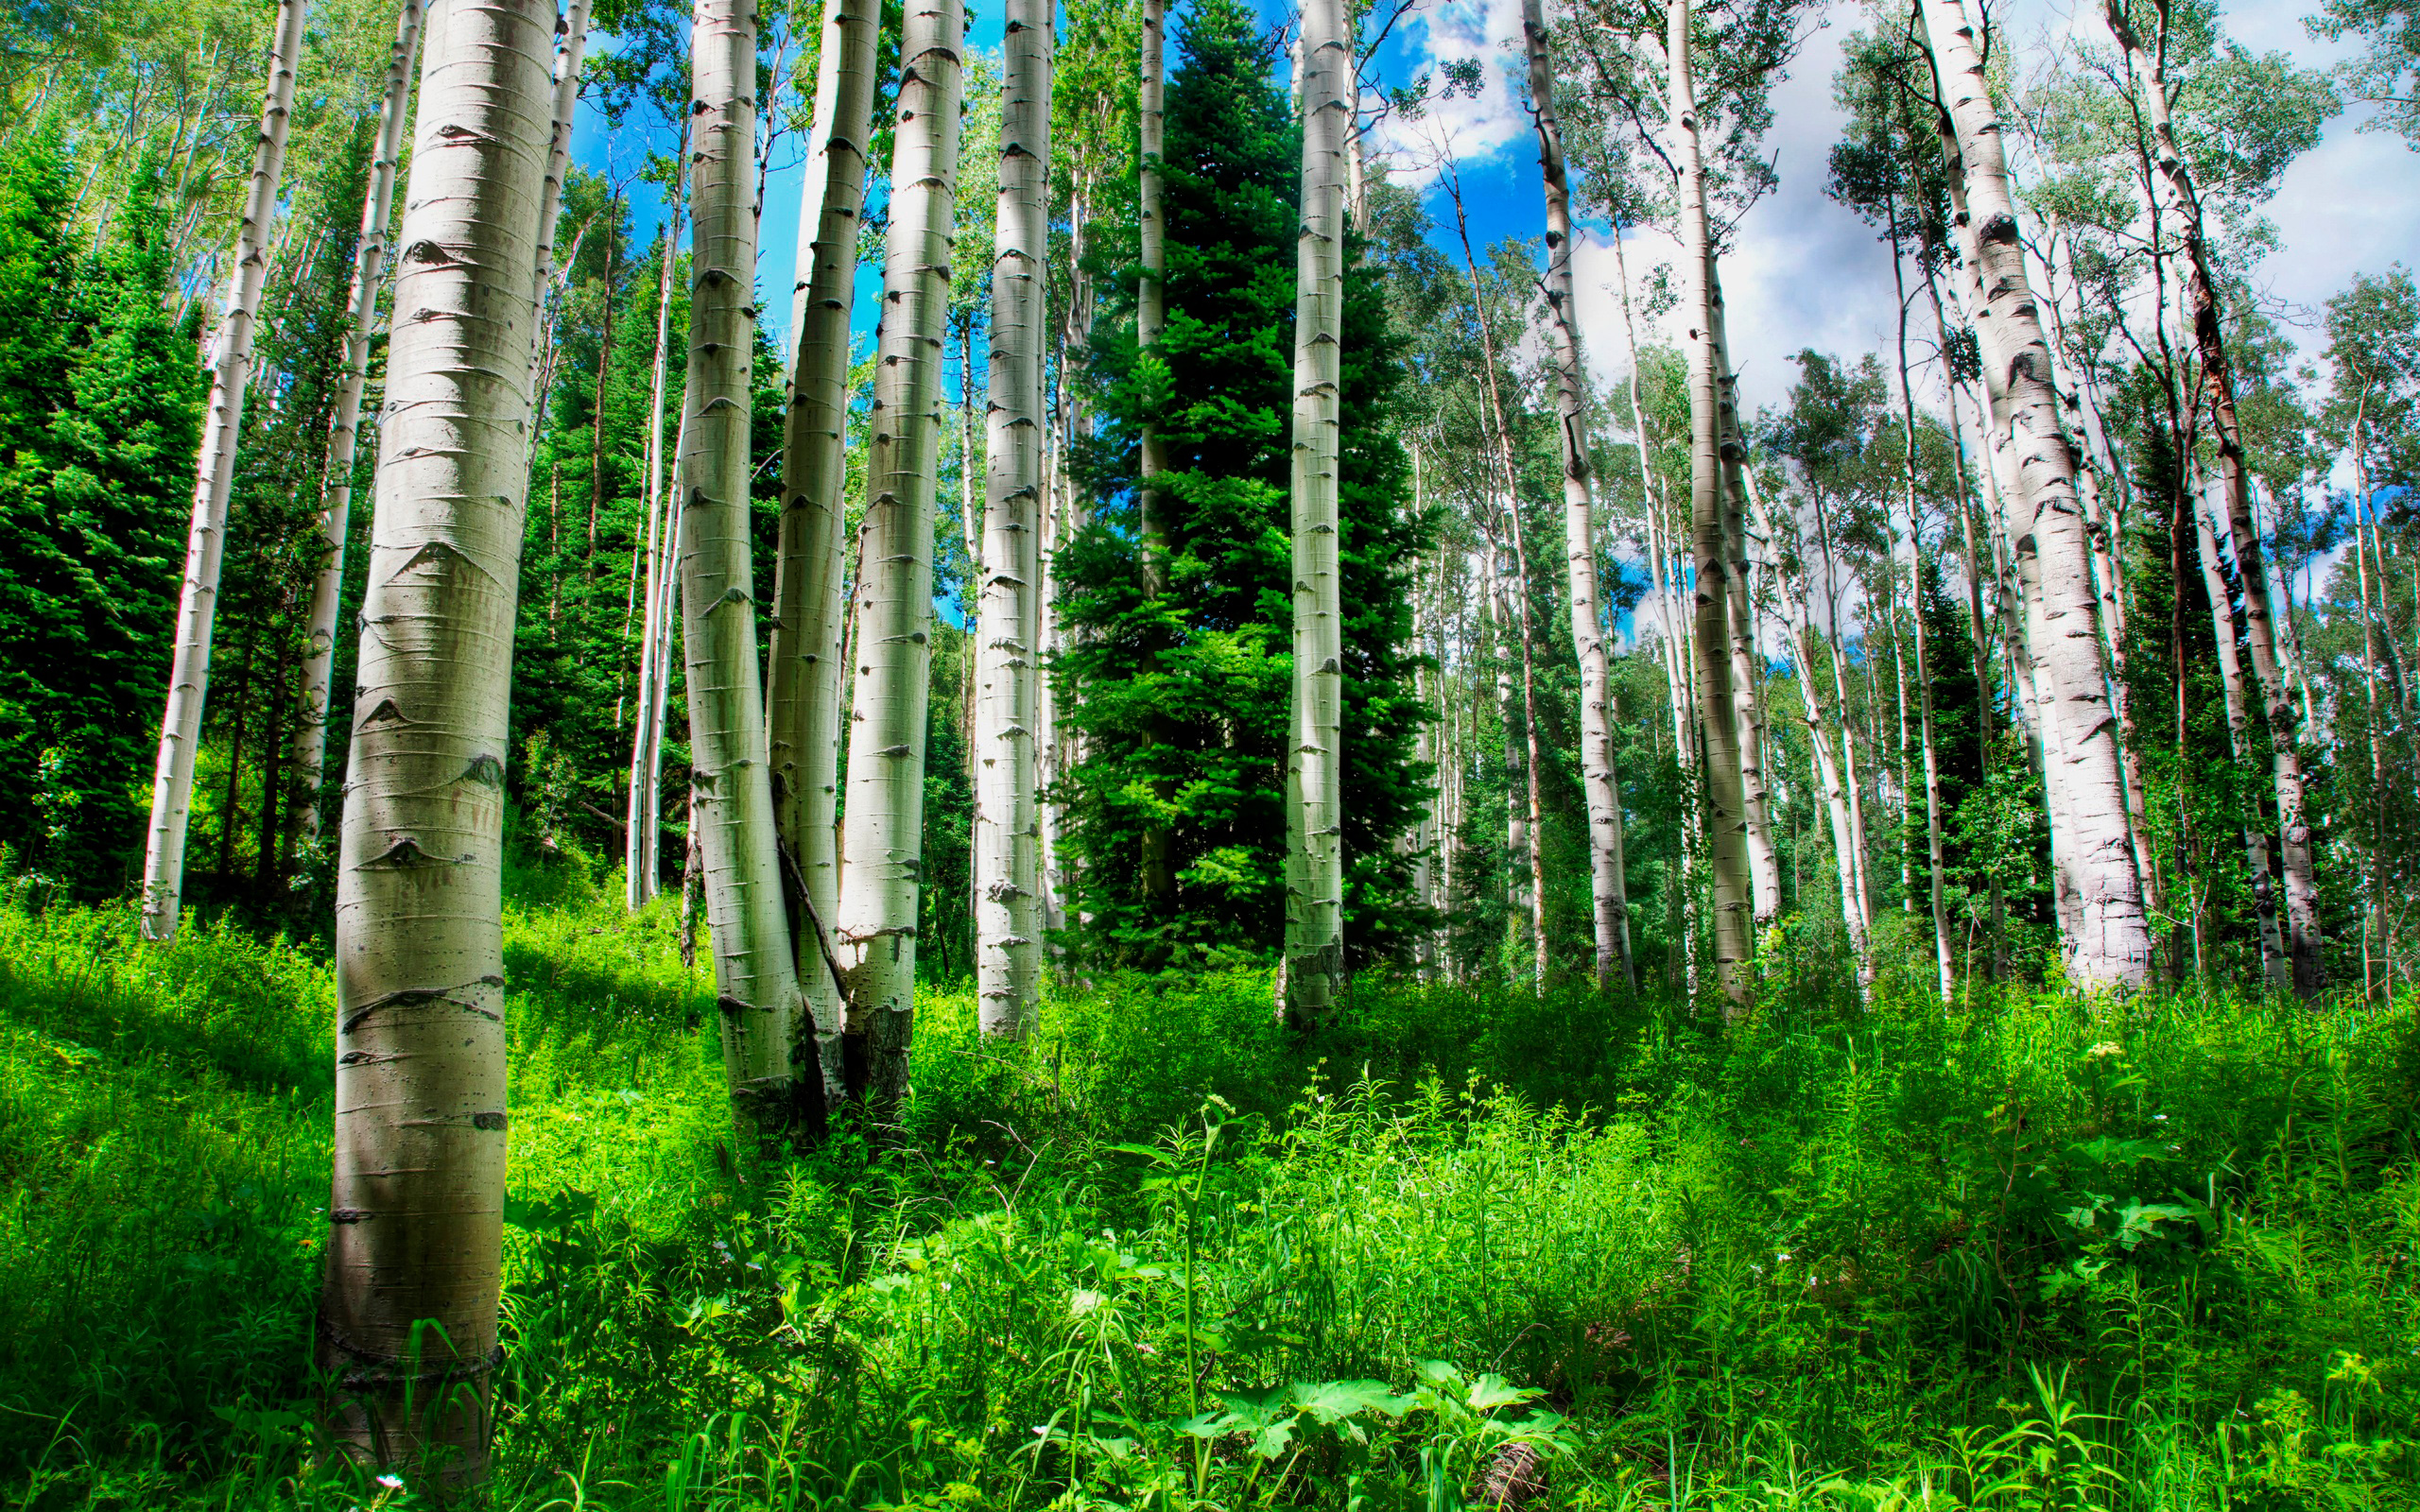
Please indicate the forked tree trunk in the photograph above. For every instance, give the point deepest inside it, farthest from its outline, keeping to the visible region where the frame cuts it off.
(1711, 555)
(882, 855)
(2112, 945)
(1314, 964)
(344, 429)
(1008, 882)
(414, 1258)
(731, 792)
(164, 863)
(1600, 778)
(2218, 394)
(803, 705)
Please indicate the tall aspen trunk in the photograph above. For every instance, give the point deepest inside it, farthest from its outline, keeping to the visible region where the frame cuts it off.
(882, 860)
(344, 428)
(1600, 779)
(164, 863)
(1747, 683)
(803, 703)
(731, 792)
(1915, 593)
(2275, 968)
(644, 821)
(1007, 882)
(414, 1256)
(2112, 946)
(2201, 304)
(1859, 856)
(1519, 904)
(571, 41)
(1314, 965)
(1150, 315)
(1532, 754)
(1710, 555)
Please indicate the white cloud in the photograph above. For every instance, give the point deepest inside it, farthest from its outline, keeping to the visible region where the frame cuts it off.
(1477, 129)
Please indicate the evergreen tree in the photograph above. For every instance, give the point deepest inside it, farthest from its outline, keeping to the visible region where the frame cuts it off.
(1180, 695)
(99, 417)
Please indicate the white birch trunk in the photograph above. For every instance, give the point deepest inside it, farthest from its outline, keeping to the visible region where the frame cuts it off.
(344, 429)
(731, 792)
(416, 1206)
(802, 705)
(164, 863)
(1007, 882)
(882, 866)
(1600, 778)
(2111, 944)
(644, 820)
(1314, 964)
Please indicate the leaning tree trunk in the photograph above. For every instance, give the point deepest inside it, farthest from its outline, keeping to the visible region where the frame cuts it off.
(1314, 965)
(2218, 392)
(344, 429)
(164, 863)
(2087, 789)
(730, 787)
(1718, 715)
(1600, 777)
(572, 41)
(882, 863)
(407, 1316)
(803, 706)
(1008, 881)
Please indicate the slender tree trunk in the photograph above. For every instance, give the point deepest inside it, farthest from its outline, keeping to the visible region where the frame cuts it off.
(1314, 964)
(1519, 904)
(645, 819)
(1600, 779)
(407, 1316)
(1150, 302)
(1838, 657)
(2086, 787)
(732, 829)
(2276, 969)
(344, 429)
(2218, 392)
(1008, 881)
(163, 862)
(1747, 683)
(1532, 754)
(1924, 664)
(882, 855)
(1717, 714)
(571, 41)
(597, 406)
(803, 705)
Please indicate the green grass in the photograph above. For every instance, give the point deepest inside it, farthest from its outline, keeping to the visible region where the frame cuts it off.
(2033, 1254)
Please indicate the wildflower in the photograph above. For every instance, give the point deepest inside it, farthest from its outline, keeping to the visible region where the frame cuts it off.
(391, 1481)
(2105, 1050)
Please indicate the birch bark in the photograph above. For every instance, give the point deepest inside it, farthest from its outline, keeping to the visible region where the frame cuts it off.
(644, 823)
(803, 705)
(2175, 176)
(414, 1256)
(164, 863)
(2111, 944)
(731, 794)
(1600, 778)
(1008, 881)
(344, 429)
(882, 865)
(1314, 967)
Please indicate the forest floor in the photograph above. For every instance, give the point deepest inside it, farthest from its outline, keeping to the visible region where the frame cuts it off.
(2032, 1254)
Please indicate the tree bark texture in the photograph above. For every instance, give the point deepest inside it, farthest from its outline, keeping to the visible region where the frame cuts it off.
(1314, 965)
(164, 863)
(344, 428)
(2111, 944)
(756, 987)
(1007, 882)
(1600, 779)
(645, 821)
(1717, 714)
(803, 706)
(882, 866)
(407, 1316)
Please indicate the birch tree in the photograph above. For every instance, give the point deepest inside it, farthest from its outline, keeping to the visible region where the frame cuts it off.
(1600, 777)
(1008, 654)
(163, 862)
(408, 1315)
(803, 709)
(882, 866)
(2110, 944)
(344, 429)
(652, 573)
(1314, 964)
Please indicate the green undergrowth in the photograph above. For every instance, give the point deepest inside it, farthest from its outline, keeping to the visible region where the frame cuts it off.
(2032, 1254)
